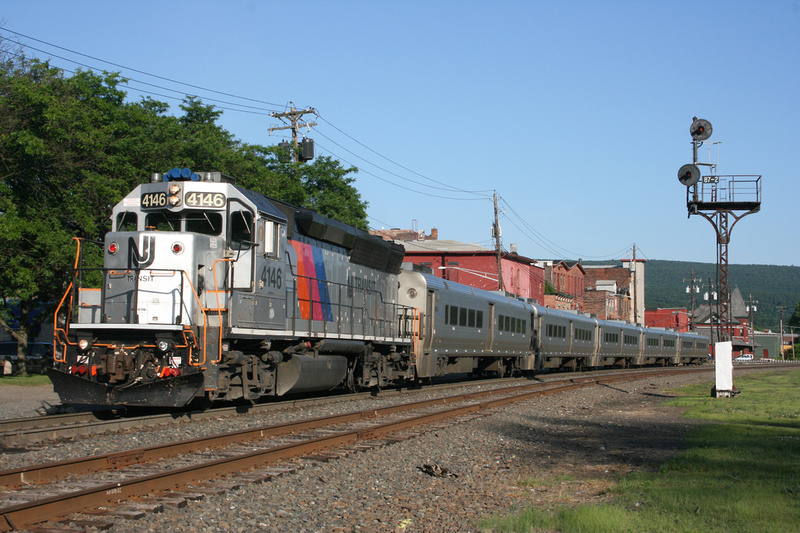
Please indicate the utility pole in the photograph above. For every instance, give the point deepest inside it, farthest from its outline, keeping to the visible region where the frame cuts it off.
(751, 308)
(296, 122)
(496, 232)
(633, 279)
(692, 289)
(782, 307)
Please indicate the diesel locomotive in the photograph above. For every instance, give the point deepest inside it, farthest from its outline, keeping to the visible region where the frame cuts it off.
(212, 292)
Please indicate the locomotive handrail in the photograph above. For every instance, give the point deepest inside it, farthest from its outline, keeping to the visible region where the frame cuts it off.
(382, 326)
(61, 335)
(219, 308)
(205, 324)
(71, 293)
(56, 329)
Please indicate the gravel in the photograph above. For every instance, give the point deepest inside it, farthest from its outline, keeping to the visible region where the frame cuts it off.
(24, 402)
(597, 433)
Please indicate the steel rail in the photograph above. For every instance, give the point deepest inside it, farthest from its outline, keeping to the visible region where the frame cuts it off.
(34, 430)
(26, 514)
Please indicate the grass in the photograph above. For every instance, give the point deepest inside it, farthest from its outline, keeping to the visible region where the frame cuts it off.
(29, 380)
(740, 473)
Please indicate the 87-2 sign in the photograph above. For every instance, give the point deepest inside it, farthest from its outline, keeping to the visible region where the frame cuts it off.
(214, 200)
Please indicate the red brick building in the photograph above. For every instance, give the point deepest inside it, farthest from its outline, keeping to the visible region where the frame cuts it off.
(396, 234)
(606, 304)
(568, 281)
(672, 318)
(474, 265)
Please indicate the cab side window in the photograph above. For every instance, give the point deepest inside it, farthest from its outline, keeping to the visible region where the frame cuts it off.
(241, 225)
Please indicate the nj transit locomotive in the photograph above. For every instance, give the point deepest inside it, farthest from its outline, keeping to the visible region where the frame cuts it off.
(209, 291)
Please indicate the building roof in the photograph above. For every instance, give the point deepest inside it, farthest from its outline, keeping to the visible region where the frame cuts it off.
(738, 309)
(443, 246)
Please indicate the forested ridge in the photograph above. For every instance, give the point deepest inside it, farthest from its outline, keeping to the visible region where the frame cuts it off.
(770, 285)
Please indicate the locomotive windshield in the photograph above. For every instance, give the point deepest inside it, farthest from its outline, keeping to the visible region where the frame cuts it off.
(206, 223)
(163, 221)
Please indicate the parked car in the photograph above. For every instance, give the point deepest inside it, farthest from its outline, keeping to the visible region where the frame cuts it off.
(746, 358)
(40, 356)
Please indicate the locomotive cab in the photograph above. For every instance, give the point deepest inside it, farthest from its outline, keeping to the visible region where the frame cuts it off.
(145, 334)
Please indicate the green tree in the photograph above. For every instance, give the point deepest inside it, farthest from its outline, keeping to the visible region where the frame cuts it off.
(794, 320)
(331, 192)
(71, 148)
(57, 138)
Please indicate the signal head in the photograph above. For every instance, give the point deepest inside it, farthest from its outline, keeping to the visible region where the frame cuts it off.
(700, 129)
(689, 175)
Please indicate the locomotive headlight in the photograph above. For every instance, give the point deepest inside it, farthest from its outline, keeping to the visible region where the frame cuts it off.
(174, 195)
(113, 248)
(84, 344)
(177, 248)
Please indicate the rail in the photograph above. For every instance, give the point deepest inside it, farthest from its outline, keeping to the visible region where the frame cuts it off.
(264, 447)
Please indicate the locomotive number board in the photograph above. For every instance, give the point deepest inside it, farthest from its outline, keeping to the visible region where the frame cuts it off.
(154, 199)
(209, 200)
(214, 200)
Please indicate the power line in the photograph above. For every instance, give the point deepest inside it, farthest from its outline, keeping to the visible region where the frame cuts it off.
(140, 71)
(250, 109)
(546, 243)
(429, 195)
(447, 187)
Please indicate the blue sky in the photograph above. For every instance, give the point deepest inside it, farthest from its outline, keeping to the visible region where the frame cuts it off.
(576, 113)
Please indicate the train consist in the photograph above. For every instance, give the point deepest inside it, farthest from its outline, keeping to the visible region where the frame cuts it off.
(211, 292)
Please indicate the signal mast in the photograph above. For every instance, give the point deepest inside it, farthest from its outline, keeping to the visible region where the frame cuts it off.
(718, 199)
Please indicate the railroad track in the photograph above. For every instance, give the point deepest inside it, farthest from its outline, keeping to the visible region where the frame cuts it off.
(170, 474)
(23, 432)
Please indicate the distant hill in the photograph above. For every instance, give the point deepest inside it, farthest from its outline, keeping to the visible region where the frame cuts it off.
(771, 285)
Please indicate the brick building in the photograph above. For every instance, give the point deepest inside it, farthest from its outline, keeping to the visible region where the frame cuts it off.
(625, 280)
(673, 318)
(606, 304)
(476, 266)
(567, 279)
(396, 234)
(471, 264)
